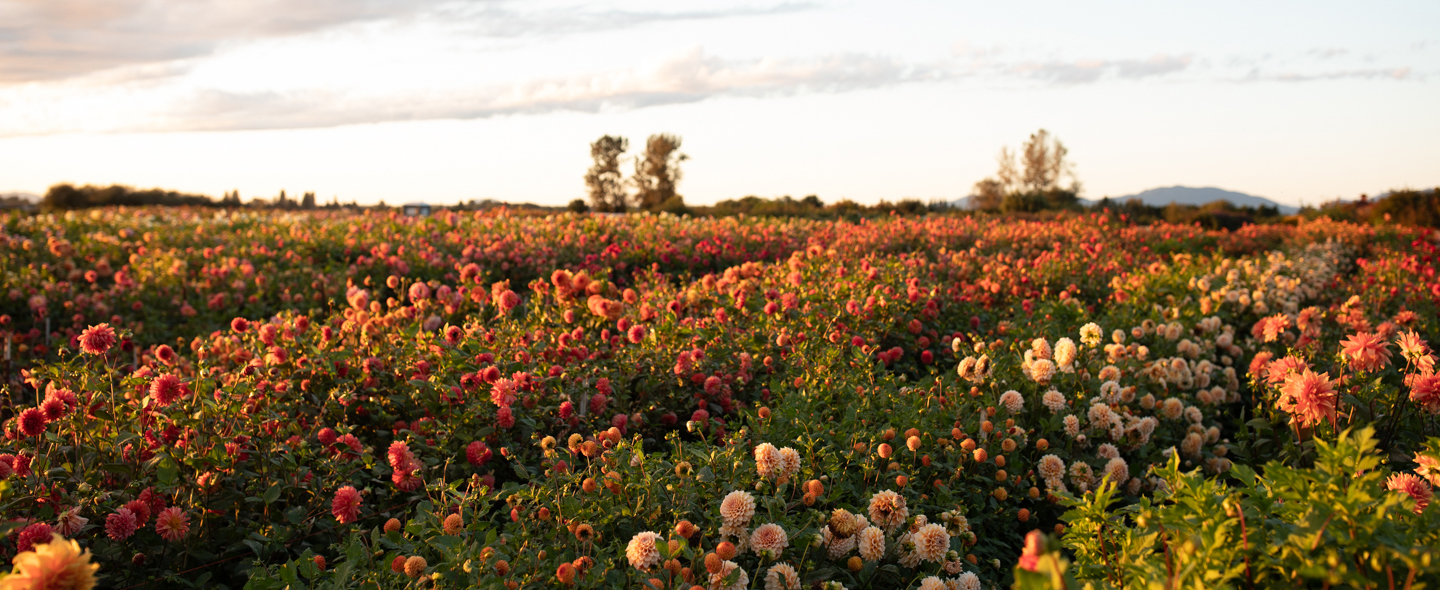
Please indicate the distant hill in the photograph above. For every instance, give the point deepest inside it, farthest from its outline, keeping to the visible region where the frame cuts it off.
(1185, 195)
(19, 200)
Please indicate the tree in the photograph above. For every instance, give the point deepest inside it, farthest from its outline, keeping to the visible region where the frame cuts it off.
(657, 171)
(1045, 164)
(307, 201)
(578, 206)
(988, 195)
(1033, 182)
(604, 180)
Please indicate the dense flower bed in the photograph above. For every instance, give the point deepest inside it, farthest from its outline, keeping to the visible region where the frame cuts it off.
(457, 401)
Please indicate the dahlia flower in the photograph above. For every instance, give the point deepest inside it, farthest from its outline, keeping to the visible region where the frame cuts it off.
(737, 508)
(1053, 400)
(346, 505)
(1425, 390)
(641, 551)
(931, 542)
(32, 422)
(1417, 488)
(1012, 401)
(968, 581)
(1051, 467)
(1428, 468)
(121, 524)
(769, 537)
(767, 460)
(782, 576)
(97, 339)
(717, 580)
(1308, 397)
(789, 462)
(872, 544)
(165, 389)
(172, 524)
(888, 510)
(58, 564)
(1366, 352)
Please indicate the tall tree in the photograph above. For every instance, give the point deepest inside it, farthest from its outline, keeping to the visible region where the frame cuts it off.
(1045, 163)
(1036, 174)
(604, 180)
(657, 171)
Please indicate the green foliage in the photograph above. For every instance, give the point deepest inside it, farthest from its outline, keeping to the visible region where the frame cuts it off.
(1334, 523)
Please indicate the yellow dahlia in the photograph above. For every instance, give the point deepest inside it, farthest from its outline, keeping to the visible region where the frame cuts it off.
(57, 565)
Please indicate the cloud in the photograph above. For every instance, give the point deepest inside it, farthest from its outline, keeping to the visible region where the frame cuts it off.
(56, 39)
(1370, 73)
(43, 40)
(686, 77)
(494, 20)
(1089, 71)
(1328, 52)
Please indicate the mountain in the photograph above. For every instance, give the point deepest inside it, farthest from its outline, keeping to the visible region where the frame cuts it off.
(18, 200)
(1185, 195)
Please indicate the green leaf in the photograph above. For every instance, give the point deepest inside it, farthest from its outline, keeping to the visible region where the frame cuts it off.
(167, 471)
(1244, 473)
(295, 515)
(272, 494)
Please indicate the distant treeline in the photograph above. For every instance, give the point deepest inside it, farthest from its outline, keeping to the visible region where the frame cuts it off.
(62, 197)
(1405, 206)
(1410, 207)
(1213, 215)
(66, 196)
(812, 207)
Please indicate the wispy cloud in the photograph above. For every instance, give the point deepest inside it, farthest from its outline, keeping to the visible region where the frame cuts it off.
(687, 77)
(1093, 70)
(44, 40)
(56, 39)
(1366, 73)
(500, 20)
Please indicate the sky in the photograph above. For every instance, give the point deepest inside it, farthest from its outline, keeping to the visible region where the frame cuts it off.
(446, 101)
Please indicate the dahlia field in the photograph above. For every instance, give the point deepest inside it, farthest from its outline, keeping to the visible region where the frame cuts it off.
(364, 400)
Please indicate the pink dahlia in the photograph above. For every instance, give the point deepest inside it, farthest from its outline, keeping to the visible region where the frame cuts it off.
(1259, 364)
(121, 524)
(1308, 397)
(165, 389)
(1425, 390)
(1428, 467)
(1034, 548)
(477, 453)
(1279, 371)
(1275, 325)
(1416, 350)
(53, 408)
(346, 505)
(32, 422)
(165, 354)
(141, 510)
(172, 524)
(97, 339)
(400, 455)
(1418, 489)
(1366, 352)
(30, 536)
